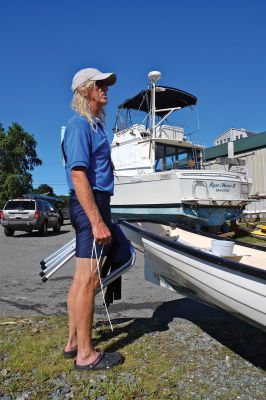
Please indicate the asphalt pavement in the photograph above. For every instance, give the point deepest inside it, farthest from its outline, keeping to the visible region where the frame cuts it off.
(22, 292)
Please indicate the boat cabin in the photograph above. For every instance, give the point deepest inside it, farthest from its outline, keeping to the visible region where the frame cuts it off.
(143, 148)
(171, 155)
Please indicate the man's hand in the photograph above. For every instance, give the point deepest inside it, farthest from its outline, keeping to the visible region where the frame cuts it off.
(101, 233)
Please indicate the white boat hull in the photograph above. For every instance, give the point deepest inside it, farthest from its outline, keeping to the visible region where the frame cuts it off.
(230, 285)
(210, 197)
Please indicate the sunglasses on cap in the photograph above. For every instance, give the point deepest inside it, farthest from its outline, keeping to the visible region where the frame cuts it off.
(101, 83)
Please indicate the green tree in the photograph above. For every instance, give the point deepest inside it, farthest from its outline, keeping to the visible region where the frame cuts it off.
(17, 158)
(44, 189)
(66, 200)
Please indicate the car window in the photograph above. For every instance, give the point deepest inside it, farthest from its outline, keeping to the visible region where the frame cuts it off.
(43, 205)
(20, 205)
(40, 205)
(50, 206)
(47, 206)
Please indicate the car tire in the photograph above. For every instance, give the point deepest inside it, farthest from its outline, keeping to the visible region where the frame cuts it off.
(9, 232)
(43, 229)
(57, 227)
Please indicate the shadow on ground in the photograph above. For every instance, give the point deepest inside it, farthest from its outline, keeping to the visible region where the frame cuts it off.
(243, 339)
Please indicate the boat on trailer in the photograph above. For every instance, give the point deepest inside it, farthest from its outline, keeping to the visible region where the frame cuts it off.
(160, 175)
(219, 273)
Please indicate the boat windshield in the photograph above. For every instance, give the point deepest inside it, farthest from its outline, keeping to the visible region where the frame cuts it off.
(173, 157)
(186, 119)
(127, 118)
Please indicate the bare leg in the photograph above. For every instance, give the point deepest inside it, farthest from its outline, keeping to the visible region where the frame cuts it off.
(81, 309)
(72, 336)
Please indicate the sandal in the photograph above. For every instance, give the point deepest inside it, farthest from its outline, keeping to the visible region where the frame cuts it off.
(102, 361)
(70, 353)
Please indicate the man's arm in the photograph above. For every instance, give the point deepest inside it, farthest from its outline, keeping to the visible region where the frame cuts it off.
(86, 198)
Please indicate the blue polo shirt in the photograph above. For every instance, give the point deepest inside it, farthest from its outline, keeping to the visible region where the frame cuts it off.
(87, 146)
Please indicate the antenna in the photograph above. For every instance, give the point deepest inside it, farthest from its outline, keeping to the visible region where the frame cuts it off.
(154, 76)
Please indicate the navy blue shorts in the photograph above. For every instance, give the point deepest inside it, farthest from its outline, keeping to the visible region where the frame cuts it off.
(83, 229)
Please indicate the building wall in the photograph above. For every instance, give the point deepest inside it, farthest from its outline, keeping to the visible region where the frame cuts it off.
(231, 135)
(256, 170)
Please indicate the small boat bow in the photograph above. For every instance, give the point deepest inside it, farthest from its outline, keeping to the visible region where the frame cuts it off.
(188, 262)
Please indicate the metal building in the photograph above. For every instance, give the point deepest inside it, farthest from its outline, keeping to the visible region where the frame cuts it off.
(251, 149)
(232, 134)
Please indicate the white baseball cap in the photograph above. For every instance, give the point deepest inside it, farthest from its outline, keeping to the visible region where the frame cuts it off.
(92, 74)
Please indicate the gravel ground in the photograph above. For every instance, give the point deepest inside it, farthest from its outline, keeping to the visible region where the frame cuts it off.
(166, 316)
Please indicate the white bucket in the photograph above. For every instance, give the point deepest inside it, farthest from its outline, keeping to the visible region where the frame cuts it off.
(222, 248)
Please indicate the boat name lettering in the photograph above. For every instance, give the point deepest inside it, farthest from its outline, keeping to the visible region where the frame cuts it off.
(222, 187)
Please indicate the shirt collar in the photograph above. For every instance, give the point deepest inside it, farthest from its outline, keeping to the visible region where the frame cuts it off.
(97, 121)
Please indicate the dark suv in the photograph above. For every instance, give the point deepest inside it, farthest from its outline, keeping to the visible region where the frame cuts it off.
(28, 215)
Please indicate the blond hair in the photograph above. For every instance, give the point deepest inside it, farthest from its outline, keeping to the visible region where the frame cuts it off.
(80, 102)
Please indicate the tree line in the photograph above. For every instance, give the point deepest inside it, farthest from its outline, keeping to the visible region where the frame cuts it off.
(18, 157)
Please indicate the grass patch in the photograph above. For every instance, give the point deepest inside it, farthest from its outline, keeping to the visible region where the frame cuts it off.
(158, 365)
(252, 240)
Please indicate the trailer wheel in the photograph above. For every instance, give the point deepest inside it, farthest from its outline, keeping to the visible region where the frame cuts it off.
(43, 229)
(57, 227)
(9, 232)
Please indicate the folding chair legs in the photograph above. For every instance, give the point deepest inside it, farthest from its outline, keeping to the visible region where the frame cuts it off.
(59, 258)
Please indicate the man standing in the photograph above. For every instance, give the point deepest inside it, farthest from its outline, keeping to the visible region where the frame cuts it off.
(90, 178)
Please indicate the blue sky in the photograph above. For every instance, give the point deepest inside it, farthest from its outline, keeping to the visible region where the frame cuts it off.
(214, 49)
